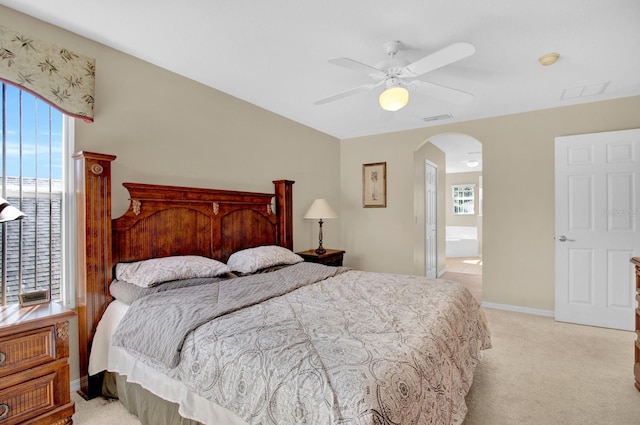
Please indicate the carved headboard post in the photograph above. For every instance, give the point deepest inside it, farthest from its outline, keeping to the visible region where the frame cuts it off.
(93, 254)
(284, 209)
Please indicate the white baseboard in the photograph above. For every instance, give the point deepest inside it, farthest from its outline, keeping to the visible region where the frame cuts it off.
(74, 385)
(519, 309)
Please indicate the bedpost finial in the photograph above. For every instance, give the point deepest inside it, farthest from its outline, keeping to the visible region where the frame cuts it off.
(136, 205)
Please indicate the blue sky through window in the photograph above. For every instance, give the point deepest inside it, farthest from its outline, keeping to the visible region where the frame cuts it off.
(33, 124)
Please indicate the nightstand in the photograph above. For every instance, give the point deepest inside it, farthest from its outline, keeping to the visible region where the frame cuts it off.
(34, 366)
(333, 257)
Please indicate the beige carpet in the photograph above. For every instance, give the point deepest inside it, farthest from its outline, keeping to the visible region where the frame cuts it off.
(539, 372)
(101, 411)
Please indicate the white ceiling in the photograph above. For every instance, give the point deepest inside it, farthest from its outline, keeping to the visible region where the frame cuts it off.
(274, 53)
(460, 151)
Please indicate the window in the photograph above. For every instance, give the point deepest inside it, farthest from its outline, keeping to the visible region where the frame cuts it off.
(33, 177)
(463, 199)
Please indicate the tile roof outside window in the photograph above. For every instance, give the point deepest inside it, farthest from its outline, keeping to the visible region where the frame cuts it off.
(41, 249)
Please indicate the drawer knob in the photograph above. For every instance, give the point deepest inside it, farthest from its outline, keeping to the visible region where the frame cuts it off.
(4, 411)
(3, 358)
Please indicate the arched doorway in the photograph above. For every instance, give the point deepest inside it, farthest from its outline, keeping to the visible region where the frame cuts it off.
(458, 161)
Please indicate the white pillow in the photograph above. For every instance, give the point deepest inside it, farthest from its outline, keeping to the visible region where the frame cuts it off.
(148, 273)
(253, 259)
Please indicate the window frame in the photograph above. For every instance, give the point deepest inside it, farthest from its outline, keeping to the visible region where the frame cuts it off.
(67, 201)
(459, 201)
(67, 289)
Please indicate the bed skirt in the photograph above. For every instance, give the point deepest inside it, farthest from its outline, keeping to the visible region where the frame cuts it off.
(148, 407)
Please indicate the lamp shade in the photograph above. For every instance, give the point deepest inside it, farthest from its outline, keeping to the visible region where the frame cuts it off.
(320, 209)
(394, 98)
(9, 213)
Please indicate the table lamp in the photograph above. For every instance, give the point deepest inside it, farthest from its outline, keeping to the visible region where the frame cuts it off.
(320, 209)
(9, 213)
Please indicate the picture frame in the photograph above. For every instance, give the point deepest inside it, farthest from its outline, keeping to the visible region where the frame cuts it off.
(374, 185)
(38, 296)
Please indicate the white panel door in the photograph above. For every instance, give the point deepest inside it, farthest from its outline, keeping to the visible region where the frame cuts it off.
(597, 227)
(430, 215)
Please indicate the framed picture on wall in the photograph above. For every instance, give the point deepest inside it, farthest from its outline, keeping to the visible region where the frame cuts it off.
(374, 185)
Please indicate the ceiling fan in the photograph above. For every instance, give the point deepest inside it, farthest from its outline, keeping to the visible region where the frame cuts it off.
(399, 76)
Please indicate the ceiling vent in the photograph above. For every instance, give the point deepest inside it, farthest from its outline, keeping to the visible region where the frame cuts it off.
(438, 117)
(583, 91)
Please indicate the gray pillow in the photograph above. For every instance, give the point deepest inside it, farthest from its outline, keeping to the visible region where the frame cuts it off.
(151, 272)
(128, 292)
(251, 260)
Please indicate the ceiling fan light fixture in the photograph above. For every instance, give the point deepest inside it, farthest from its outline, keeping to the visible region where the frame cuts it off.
(394, 98)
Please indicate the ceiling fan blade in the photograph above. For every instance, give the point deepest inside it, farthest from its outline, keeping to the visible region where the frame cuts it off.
(342, 94)
(346, 93)
(440, 58)
(444, 93)
(356, 66)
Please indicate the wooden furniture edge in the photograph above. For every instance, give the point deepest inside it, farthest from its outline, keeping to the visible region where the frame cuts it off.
(284, 210)
(636, 365)
(54, 319)
(93, 252)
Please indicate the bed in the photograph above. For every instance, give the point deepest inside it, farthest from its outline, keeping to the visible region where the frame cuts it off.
(264, 338)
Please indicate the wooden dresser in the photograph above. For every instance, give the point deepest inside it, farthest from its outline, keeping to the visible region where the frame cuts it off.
(636, 365)
(34, 367)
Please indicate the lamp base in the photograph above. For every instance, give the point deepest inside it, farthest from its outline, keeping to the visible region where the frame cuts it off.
(320, 249)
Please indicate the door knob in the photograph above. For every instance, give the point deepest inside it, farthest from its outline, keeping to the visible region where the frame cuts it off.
(563, 238)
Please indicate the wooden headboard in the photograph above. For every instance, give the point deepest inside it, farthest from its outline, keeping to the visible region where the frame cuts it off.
(161, 221)
(166, 220)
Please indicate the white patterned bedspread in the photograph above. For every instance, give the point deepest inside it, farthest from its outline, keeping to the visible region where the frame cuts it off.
(357, 348)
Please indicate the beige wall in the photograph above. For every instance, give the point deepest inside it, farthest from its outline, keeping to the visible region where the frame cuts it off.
(166, 129)
(518, 157)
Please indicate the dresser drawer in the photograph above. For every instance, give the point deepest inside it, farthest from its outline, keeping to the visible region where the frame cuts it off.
(27, 399)
(27, 350)
(335, 262)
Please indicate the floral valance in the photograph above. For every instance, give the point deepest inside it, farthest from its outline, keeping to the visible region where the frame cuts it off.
(60, 77)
